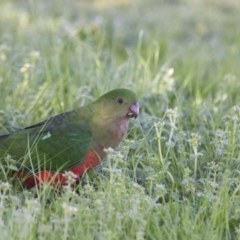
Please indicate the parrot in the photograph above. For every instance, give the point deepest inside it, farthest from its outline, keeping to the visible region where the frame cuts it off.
(73, 141)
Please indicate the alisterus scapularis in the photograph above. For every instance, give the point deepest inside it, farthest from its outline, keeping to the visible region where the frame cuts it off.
(72, 141)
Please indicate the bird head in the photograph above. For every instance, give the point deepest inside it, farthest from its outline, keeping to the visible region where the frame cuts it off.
(119, 103)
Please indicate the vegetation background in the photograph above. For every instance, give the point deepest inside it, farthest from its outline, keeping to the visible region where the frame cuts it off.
(177, 175)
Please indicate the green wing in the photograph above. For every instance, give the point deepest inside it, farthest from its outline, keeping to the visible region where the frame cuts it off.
(55, 144)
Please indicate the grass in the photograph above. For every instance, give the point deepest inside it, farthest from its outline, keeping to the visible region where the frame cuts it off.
(176, 176)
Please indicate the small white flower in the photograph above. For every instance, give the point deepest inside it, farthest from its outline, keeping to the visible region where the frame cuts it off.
(195, 139)
(159, 124)
(5, 186)
(25, 68)
(71, 177)
(35, 55)
(109, 151)
(33, 205)
(69, 209)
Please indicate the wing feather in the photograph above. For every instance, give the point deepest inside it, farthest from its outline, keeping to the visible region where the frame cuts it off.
(57, 143)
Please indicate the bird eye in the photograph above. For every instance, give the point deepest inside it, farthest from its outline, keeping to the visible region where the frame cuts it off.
(120, 100)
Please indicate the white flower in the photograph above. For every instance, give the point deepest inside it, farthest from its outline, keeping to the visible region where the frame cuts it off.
(25, 68)
(109, 151)
(68, 209)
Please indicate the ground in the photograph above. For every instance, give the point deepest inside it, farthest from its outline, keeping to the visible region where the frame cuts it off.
(177, 174)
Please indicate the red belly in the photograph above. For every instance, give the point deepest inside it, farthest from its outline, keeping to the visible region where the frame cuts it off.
(59, 179)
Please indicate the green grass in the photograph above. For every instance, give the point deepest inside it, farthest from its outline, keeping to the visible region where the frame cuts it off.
(177, 176)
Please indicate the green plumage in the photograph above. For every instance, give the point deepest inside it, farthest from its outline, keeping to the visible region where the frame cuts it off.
(63, 141)
(57, 143)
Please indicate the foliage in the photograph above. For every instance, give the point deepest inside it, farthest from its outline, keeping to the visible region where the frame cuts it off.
(176, 176)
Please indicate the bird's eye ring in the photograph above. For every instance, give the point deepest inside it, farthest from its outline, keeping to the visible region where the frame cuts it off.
(120, 100)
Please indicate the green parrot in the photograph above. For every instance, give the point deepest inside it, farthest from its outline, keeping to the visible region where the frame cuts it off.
(72, 141)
